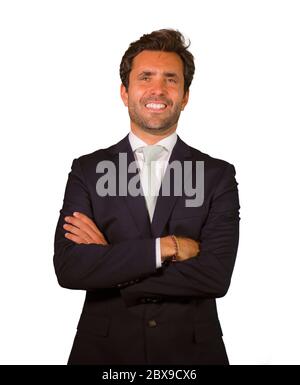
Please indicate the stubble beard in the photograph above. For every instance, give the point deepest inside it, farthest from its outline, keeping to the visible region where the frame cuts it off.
(154, 125)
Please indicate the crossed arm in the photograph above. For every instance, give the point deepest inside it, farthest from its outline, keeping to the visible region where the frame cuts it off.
(82, 230)
(84, 259)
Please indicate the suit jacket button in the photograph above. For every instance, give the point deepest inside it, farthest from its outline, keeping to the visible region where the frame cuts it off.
(152, 323)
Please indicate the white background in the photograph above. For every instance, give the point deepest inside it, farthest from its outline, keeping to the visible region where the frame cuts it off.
(59, 99)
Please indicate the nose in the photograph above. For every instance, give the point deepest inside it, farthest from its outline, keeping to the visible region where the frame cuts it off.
(158, 87)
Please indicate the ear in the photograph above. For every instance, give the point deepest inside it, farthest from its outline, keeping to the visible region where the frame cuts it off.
(124, 95)
(185, 100)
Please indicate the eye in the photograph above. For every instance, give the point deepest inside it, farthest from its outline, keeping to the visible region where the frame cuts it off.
(172, 80)
(145, 78)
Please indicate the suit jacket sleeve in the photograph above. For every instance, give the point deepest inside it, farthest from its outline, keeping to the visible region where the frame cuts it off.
(208, 274)
(94, 266)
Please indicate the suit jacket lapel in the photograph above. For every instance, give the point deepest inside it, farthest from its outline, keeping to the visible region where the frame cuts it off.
(137, 205)
(165, 204)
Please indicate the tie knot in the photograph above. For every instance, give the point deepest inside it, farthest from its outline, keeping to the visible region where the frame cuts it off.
(152, 152)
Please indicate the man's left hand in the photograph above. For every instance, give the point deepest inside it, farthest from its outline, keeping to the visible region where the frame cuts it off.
(82, 230)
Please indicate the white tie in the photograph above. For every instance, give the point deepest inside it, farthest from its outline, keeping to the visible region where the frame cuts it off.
(150, 182)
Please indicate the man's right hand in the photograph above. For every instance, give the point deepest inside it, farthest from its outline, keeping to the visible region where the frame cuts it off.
(188, 248)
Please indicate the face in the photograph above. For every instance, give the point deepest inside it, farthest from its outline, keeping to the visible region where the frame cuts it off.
(155, 96)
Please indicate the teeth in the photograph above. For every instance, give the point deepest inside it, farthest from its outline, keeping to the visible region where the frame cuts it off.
(156, 106)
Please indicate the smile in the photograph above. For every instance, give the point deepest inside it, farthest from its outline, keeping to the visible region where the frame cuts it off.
(156, 106)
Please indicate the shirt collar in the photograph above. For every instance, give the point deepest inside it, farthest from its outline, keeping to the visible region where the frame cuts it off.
(168, 143)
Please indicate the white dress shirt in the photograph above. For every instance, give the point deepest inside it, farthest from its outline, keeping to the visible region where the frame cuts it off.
(159, 168)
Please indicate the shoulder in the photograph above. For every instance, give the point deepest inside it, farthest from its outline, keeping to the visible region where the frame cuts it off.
(104, 154)
(211, 163)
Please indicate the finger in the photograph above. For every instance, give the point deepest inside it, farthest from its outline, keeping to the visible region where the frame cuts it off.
(87, 221)
(75, 238)
(77, 227)
(82, 226)
(102, 241)
(76, 231)
(82, 237)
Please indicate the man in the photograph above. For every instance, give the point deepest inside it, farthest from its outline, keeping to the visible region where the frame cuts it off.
(152, 264)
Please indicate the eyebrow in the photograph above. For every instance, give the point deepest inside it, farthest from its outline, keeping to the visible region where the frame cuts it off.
(151, 73)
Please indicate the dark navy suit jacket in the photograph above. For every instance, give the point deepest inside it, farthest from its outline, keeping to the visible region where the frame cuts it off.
(135, 313)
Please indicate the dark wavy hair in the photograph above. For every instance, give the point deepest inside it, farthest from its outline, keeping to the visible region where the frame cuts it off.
(167, 40)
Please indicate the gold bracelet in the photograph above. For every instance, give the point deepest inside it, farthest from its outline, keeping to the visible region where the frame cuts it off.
(176, 243)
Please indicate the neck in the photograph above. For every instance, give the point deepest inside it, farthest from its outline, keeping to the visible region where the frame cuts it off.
(151, 138)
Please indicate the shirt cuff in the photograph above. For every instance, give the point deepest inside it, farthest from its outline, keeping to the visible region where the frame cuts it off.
(158, 253)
